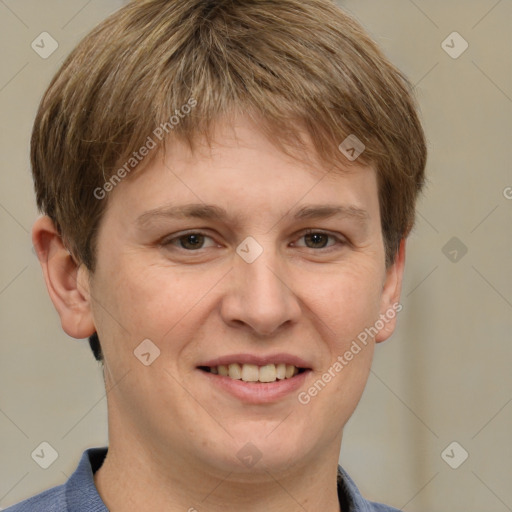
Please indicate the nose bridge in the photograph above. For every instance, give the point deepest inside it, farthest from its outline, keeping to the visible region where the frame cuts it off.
(262, 278)
(261, 297)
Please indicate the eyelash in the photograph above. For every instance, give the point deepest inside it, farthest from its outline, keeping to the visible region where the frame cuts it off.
(340, 242)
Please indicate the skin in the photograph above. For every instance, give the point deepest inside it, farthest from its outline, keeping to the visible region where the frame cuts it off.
(174, 438)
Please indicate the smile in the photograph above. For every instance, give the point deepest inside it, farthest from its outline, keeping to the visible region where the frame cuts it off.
(254, 373)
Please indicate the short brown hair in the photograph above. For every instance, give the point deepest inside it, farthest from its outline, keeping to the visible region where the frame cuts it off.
(293, 63)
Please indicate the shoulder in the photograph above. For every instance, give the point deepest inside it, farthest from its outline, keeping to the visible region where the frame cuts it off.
(351, 500)
(379, 507)
(78, 494)
(51, 500)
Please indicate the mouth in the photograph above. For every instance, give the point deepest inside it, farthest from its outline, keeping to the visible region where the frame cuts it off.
(255, 378)
(253, 373)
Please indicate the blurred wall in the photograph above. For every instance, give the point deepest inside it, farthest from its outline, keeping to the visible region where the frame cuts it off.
(441, 387)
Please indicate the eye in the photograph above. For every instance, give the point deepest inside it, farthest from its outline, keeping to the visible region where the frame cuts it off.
(195, 240)
(319, 239)
(191, 241)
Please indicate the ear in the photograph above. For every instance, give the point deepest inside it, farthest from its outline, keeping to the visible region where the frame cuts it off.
(390, 299)
(67, 282)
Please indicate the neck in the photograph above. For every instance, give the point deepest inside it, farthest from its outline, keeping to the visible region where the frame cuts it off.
(138, 477)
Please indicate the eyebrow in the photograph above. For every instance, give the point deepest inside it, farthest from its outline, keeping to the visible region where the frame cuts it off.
(213, 212)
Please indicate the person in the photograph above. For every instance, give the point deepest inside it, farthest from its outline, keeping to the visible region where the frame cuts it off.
(226, 190)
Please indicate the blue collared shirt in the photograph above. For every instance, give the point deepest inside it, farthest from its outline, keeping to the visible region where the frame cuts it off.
(79, 494)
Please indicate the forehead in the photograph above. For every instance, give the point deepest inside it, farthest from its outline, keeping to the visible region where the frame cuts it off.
(240, 170)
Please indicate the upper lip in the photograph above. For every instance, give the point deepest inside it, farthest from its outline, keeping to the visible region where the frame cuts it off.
(258, 360)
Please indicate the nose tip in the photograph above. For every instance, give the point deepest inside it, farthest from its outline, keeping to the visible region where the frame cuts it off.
(259, 296)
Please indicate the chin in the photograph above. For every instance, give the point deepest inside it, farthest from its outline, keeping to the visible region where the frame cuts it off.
(264, 449)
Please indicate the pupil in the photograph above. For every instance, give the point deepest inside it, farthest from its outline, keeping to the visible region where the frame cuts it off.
(192, 241)
(195, 240)
(317, 238)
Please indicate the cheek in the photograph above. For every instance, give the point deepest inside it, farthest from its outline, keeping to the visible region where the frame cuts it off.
(347, 301)
(157, 302)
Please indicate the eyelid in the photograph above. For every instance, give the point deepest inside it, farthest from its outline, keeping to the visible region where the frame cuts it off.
(167, 241)
(339, 238)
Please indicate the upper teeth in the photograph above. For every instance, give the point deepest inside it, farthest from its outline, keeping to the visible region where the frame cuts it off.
(255, 373)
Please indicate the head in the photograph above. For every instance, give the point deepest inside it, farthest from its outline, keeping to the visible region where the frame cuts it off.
(242, 108)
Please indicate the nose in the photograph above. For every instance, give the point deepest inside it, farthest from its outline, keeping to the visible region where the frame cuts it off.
(260, 296)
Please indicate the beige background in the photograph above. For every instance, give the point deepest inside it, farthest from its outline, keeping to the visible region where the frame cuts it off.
(443, 377)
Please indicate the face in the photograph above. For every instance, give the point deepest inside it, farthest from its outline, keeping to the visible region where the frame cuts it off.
(279, 262)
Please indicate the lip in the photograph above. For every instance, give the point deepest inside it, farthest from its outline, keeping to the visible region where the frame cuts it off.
(281, 357)
(252, 392)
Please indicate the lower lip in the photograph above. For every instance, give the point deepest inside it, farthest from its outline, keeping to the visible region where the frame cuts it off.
(257, 392)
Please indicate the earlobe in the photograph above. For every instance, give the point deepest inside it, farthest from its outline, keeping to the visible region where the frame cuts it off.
(67, 287)
(390, 299)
